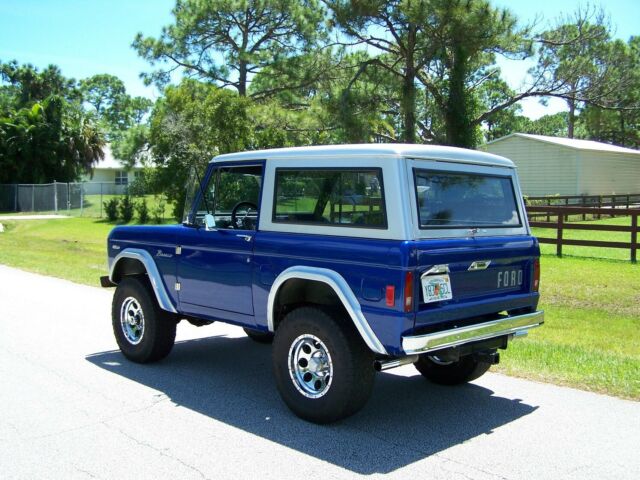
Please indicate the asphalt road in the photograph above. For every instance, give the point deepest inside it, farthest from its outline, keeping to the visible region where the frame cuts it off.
(72, 407)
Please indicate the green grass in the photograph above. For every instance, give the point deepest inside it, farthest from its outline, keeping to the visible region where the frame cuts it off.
(590, 340)
(70, 248)
(591, 335)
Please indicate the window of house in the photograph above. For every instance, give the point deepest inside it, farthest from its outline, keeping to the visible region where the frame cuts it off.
(122, 178)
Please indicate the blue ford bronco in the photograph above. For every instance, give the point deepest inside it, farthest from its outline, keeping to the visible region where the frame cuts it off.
(350, 259)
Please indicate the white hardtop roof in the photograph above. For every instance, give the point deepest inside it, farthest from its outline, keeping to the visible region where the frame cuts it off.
(572, 143)
(431, 152)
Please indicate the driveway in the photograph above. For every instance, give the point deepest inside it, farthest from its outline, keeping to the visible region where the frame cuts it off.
(73, 407)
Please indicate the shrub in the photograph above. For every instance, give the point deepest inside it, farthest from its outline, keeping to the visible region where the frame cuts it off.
(143, 211)
(126, 209)
(111, 209)
(158, 211)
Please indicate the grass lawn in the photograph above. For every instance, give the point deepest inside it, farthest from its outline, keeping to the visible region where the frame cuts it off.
(591, 335)
(591, 338)
(72, 248)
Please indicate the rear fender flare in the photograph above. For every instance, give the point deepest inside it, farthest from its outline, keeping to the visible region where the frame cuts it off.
(342, 290)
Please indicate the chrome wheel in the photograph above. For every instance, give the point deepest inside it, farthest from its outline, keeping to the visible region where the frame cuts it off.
(132, 320)
(310, 366)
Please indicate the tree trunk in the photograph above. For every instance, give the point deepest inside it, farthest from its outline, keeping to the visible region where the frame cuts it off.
(571, 119)
(408, 101)
(460, 131)
(242, 79)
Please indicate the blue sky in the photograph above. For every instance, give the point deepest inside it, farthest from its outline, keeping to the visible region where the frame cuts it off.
(88, 37)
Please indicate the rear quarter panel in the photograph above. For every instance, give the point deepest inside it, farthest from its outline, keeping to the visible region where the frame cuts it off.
(367, 265)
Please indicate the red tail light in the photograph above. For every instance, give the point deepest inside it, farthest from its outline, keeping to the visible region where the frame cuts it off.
(408, 292)
(391, 295)
(536, 274)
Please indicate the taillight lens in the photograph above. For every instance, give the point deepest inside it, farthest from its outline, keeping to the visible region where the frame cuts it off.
(536, 274)
(408, 292)
(391, 295)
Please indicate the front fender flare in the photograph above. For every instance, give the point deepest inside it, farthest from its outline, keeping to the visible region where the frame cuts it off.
(144, 257)
(342, 290)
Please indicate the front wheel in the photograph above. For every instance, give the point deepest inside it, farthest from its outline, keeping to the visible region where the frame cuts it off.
(464, 370)
(144, 332)
(323, 370)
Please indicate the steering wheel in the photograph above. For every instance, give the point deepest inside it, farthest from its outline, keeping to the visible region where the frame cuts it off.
(234, 212)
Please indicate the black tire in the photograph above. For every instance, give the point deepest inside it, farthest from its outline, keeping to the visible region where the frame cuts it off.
(351, 381)
(465, 370)
(159, 327)
(259, 336)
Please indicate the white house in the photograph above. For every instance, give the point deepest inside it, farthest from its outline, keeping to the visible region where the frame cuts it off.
(565, 166)
(110, 176)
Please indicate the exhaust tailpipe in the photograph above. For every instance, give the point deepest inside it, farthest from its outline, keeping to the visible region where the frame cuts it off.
(382, 365)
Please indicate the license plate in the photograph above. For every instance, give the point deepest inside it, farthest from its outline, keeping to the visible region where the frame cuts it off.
(436, 288)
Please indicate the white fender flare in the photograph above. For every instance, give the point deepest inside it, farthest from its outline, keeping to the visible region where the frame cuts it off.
(342, 290)
(144, 257)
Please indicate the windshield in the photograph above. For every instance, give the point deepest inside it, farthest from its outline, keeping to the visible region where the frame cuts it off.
(465, 200)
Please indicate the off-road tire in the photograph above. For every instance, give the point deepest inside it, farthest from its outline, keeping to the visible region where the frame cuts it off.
(465, 370)
(352, 365)
(259, 336)
(159, 333)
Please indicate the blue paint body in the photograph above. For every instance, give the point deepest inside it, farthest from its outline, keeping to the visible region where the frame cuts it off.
(225, 278)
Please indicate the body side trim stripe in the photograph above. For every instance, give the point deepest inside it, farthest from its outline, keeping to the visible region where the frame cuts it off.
(164, 301)
(345, 294)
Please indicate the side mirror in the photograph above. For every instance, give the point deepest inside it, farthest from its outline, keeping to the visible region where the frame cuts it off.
(209, 222)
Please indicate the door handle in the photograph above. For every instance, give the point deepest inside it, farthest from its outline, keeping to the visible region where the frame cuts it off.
(247, 238)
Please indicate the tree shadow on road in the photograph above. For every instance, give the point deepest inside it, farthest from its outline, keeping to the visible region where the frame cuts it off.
(406, 420)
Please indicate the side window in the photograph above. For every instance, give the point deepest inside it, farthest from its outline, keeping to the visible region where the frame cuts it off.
(338, 197)
(233, 196)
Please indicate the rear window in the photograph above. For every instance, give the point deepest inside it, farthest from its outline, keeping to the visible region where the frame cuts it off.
(332, 197)
(465, 200)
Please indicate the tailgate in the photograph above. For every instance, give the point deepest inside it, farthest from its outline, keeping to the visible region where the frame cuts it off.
(458, 279)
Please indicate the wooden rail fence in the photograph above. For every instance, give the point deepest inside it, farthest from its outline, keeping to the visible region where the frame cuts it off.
(624, 201)
(563, 213)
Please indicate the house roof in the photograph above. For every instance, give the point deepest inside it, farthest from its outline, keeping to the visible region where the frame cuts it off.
(396, 150)
(572, 143)
(110, 162)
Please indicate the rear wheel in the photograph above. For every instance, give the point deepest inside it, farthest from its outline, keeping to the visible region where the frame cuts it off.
(144, 332)
(259, 336)
(324, 372)
(464, 370)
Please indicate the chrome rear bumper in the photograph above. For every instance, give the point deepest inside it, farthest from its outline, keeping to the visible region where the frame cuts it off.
(515, 325)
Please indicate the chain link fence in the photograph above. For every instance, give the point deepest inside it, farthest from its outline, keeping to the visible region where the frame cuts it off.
(85, 199)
